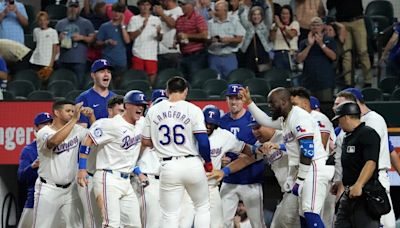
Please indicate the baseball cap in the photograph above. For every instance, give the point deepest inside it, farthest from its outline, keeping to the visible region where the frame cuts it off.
(100, 64)
(233, 89)
(184, 2)
(73, 3)
(42, 117)
(314, 103)
(346, 108)
(356, 92)
(158, 93)
(253, 123)
(316, 20)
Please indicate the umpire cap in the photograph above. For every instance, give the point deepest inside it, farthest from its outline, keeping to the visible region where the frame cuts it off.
(212, 115)
(346, 108)
(135, 97)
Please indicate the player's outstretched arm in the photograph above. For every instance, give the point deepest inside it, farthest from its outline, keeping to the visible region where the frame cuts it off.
(204, 150)
(84, 151)
(63, 132)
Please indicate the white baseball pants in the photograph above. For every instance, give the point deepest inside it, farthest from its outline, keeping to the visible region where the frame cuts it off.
(91, 212)
(286, 214)
(388, 220)
(178, 175)
(252, 197)
(117, 200)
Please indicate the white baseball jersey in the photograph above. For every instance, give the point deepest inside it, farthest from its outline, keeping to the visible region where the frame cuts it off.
(149, 162)
(325, 126)
(60, 164)
(376, 121)
(299, 124)
(172, 125)
(118, 143)
(221, 142)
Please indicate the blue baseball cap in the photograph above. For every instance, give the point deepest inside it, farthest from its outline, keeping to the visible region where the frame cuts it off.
(314, 103)
(42, 117)
(158, 93)
(233, 89)
(356, 92)
(100, 64)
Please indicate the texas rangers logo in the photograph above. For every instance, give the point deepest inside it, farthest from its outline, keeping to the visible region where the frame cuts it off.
(66, 145)
(141, 96)
(211, 114)
(104, 61)
(128, 142)
(235, 88)
(299, 129)
(321, 125)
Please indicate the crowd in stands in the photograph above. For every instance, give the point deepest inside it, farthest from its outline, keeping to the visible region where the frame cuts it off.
(192, 35)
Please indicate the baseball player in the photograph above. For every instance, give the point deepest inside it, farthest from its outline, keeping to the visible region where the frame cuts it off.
(27, 170)
(301, 97)
(118, 147)
(148, 169)
(377, 122)
(173, 127)
(58, 145)
(97, 96)
(306, 154)
(245, 184)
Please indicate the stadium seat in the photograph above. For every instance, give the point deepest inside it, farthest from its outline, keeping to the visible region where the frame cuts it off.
(28, 75)
(275, 84)
(41, 95)
(201, 76)
(214, 87)
(56, 12)
(279, 75)
(388, 85)
(119, 92)
(8, 96)
(257, 86)
(395, 95)
(372, 94)
(20, 88)
(196, 94)
(60, 88)
(133, 75)
(141, 85)
(164, 75)
(380, 8)
(72, 95)
(259, 98)
(64, 74)
(240, 75)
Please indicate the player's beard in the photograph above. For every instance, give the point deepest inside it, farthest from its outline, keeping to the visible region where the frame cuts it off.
(276, 113)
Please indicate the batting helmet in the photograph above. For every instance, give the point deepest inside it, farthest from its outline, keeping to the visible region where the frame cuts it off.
(135, 97)
(157, 93)
(212, 115)
(346, 108)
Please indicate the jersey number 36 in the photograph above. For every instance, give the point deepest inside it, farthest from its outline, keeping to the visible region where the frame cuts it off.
(172, 133)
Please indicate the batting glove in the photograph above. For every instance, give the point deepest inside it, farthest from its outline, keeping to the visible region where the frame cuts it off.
(208, 167)
(297, 187)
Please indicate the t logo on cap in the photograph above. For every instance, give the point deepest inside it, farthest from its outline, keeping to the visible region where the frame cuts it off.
(211, 114)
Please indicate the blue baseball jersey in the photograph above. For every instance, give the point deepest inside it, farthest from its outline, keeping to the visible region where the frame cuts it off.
(95, 101)
(255, 172)
(26, 174)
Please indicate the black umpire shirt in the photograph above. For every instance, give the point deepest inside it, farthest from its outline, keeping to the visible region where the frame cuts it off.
(359, 146)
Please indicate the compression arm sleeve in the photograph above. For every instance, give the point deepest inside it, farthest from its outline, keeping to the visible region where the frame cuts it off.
(204, 146)
(262, 118)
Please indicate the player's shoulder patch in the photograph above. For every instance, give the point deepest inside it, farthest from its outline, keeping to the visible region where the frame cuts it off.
(97, 132)
(300, 129)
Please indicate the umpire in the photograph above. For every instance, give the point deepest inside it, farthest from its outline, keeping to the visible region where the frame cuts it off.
(359, 160)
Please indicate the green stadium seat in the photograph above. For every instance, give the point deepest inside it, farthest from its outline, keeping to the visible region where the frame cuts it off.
(28, 75)
(164, 75)
(240, 75)
(72, 95)
(200, 77)
(196, 94)
(64, 74)
(279, 75)
(214, 87)
(20, 88)
(41, 95)
(372, 94)
(141, 85)
(60, 88)
(119, 91)
(134, 75)
(388, 85)
(257, 86)
(395, 95)
(8, 96)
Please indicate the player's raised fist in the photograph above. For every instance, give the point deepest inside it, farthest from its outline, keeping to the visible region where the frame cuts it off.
(245, 95)
(77, 111)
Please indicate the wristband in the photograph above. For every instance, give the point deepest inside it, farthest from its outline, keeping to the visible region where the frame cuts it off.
(303, 171)
(282, 147)
(254, 148)
(82, 163)
(137, 170)
(227, 171)
(84, 150)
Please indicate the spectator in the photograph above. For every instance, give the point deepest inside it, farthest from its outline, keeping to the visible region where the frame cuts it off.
(75, 34)
(112, 36)
(46, 40)
(97, 16)
(206, 9)
(255, 46)
(285, 33)
(318, 52)
(97, 96)
(27, 170)
(192, 32)
(127, 13)
(145, 31)
(168, 51)
(304, 11)
(226, 34)
(234, 8)
(338, 32)
(13, 18)
(241, 220)
(3, 74)
(351, 15)
(391, 54)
